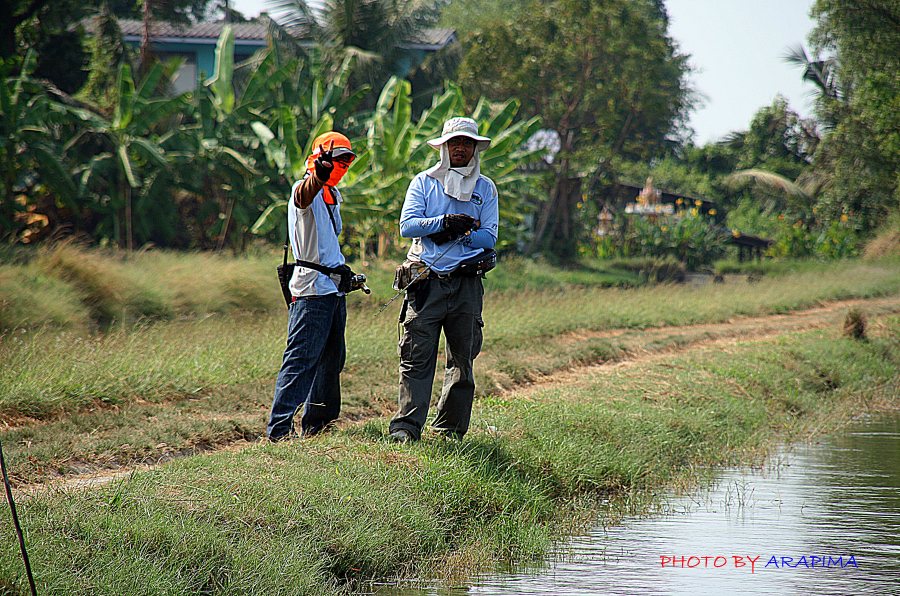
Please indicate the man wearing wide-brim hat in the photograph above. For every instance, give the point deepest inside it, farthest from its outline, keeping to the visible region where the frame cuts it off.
(451, 212)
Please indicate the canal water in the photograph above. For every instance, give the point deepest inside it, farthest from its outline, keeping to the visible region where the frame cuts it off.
(837, 500)
(821, 518)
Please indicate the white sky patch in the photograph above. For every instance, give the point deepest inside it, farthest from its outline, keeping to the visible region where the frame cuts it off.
(738, 49)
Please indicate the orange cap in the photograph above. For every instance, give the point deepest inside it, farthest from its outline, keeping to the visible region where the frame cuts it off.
(339, 145)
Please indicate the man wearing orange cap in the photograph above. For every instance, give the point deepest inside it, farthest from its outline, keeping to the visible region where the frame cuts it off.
(315, 352)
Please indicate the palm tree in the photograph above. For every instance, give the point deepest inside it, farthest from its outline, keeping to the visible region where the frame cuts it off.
(374, 33)
(821, 72)
(801, 194)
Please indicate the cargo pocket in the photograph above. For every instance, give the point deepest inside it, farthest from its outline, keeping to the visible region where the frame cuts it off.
(477, 336)
(413, 339)
(404, 346)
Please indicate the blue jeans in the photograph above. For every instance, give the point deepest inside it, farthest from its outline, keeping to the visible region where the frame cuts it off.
(311, 367)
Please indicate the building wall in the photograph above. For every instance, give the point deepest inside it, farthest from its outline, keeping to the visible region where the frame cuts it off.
(199, 58)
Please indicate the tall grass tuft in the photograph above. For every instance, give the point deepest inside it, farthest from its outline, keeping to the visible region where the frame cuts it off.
(855, 324)
(200, 283)
(112, 290)
(29, 297)
(887, 242)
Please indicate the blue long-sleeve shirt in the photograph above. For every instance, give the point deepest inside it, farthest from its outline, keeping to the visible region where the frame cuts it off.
(423, 213)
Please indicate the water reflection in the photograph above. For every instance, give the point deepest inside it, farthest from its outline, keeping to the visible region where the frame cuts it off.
(836, 498)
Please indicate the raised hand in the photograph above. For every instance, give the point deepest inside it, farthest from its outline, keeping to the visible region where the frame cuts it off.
(324, 163)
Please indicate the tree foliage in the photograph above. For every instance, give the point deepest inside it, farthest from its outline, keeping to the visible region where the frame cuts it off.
(211, 168)
(124, 160)
(376, 34)
(606, 77)
(862, 151)
(394, 150)
(32, 168)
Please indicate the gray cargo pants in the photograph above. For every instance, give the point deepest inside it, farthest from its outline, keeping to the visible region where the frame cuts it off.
(454, 305)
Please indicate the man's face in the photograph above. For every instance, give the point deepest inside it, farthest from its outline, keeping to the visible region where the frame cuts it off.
(461, 151)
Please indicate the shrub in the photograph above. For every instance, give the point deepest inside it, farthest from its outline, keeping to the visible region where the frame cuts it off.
(837, 241)
(796, 237)
(688, 237)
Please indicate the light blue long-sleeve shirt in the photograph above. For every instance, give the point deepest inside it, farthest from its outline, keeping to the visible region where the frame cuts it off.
(423, 213)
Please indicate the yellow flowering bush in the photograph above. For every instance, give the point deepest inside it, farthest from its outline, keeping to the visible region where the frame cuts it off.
(690, 237)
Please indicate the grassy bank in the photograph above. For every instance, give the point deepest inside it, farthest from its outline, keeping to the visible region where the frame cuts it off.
(321, 516)
(74, 401)
(71, 288)
(56, 372)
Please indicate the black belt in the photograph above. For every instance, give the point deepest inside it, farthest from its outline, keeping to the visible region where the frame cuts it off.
(448, 275)
(436, 275)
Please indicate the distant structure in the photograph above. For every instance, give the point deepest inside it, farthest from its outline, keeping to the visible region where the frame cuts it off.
(652, 202)
(196, 44)
(649, 202)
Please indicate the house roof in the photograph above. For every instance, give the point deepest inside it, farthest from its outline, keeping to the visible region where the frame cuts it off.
(254, 33)
(431, 39)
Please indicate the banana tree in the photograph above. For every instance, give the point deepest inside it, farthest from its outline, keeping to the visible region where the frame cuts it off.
(309, 108)
(504, 162)
(127, 147)
(394, 151)
(287, 155)
(398, 150)
(233, 159)
(215, 160)
(375, 183)
(31, 151)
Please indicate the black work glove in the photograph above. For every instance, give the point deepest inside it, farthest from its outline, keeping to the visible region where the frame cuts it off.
(458, 223)
(443, 237)
(324, 163)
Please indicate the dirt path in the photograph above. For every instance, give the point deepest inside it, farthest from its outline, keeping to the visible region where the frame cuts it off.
(641, 345)
(632, 347)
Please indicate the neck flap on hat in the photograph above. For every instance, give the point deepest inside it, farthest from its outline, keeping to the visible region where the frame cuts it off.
(459, 183)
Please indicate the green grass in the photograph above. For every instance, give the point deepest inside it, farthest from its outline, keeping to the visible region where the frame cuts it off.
(77, 400)
(29, 297)
(53, 373)
(71, 287)
(782, 267)
(322, 516)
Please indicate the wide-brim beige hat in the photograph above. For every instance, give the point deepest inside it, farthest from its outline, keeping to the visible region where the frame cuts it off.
(461, 127)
